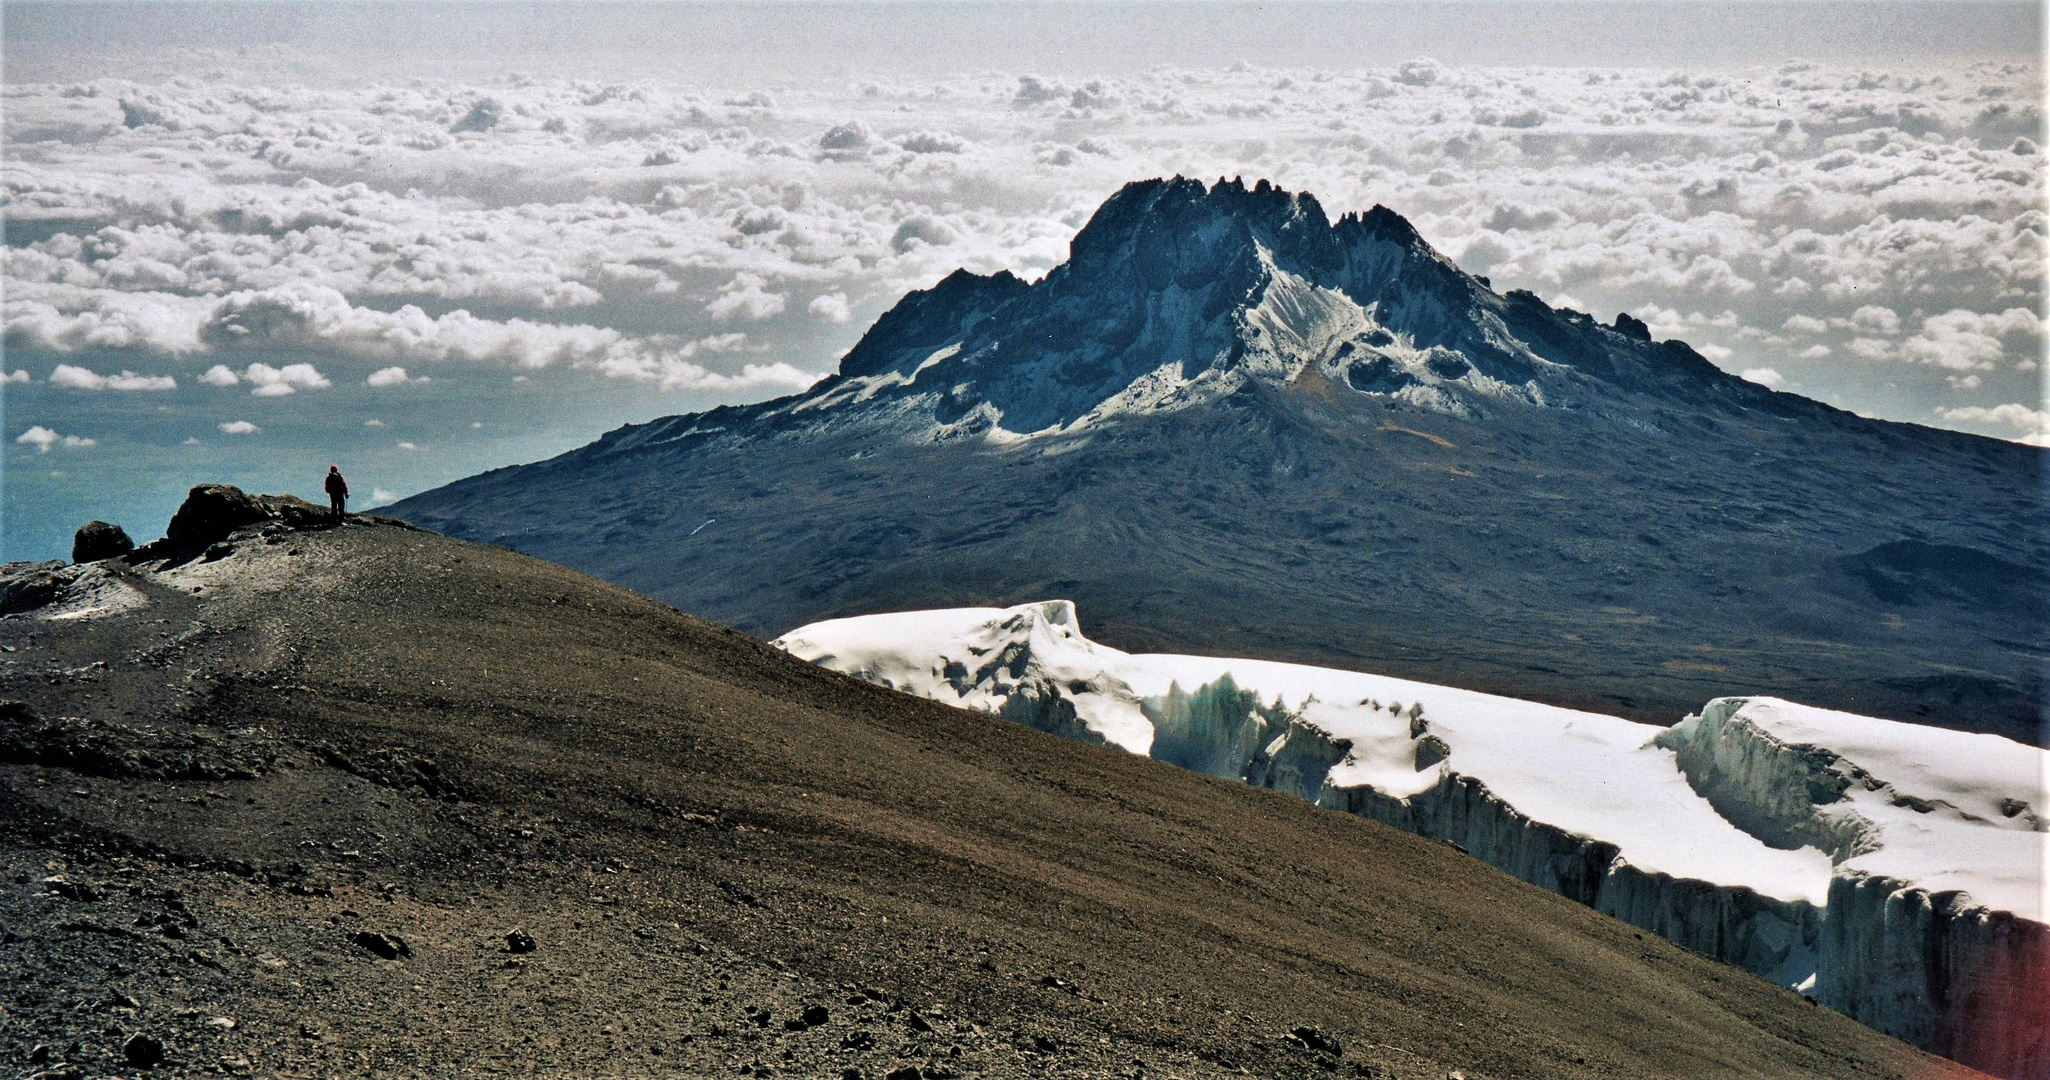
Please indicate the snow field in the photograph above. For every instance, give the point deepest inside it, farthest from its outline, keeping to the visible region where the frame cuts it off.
(1892, 870)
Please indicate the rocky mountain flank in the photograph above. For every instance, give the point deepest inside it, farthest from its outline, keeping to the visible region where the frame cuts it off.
(1231, 425)
(283, 797)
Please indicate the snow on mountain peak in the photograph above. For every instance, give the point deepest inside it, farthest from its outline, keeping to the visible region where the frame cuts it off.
(1176, 294)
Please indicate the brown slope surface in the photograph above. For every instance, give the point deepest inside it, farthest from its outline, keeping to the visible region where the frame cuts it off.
(209, 795)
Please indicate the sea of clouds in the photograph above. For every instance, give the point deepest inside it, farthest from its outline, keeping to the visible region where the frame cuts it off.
(1873, 238)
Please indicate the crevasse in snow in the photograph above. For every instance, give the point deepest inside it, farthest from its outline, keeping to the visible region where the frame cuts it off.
(1892, 870)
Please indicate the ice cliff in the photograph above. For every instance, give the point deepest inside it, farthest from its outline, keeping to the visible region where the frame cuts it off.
(1934, 929)
(1893, 872)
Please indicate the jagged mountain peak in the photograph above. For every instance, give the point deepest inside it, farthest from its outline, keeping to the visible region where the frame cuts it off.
(1217, 224)
(1176, 293)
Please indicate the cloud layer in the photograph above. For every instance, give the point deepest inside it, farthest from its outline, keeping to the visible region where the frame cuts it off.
(1871, 237)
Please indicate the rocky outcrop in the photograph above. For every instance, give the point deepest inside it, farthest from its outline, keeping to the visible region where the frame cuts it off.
(212, 511)
(26, 586)
(91, 747)
(100, 540)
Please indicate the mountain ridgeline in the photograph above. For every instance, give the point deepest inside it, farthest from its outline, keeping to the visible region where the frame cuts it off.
(1229, 424)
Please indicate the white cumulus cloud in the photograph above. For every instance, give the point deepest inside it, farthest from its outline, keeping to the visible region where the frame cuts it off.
(279, 381)
(671, 366)
(80, 378)
(1764, 376)
(831, 307)
(2033, 424)
(1963, 340)
(238, 427)
(391, 376)
(43, 439)
(746, 296)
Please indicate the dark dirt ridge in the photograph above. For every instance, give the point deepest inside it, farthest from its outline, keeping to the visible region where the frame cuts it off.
(283, 815)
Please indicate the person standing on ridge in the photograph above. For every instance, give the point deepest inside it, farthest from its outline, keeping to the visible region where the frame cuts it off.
(337, 490)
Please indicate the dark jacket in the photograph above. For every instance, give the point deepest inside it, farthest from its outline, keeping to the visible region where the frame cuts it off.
(336, 485)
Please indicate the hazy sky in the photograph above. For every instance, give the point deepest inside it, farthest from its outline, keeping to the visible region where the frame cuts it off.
(422, 240)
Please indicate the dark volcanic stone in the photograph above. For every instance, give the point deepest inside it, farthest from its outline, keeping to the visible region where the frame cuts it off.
(143, 1051)
(816, 1015)
(1316, 1039)
(520, 942)
(388, 946)
(82, 891)
(1376, 374)
(212, 511)
(99, 540)
(1447, 366)
(1632, 327)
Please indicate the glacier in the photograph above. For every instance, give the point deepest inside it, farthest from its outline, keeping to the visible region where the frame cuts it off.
(1891, 871)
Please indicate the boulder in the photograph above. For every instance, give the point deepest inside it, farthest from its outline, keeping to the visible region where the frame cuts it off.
(99, 540)
(211, 512)
(388, 946)
(143, 1051)
(1319, 1040)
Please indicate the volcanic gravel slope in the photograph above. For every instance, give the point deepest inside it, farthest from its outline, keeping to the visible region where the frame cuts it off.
(218, 805)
